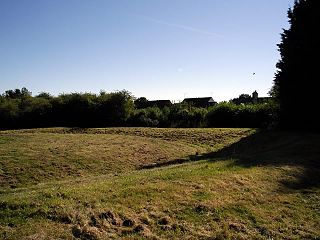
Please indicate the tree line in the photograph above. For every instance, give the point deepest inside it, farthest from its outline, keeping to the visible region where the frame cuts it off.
(19, 109)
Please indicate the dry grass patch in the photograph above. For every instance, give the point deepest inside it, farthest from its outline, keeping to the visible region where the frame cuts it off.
(32, 158)
(204, 200)
(210, 138)
(268, 189)
(39, 155)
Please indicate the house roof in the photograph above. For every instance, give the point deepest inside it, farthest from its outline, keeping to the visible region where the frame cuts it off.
(202, 101)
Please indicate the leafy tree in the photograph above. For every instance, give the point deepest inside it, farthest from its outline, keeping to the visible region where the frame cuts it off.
(17, 93)
(44, 95)
(141, 102)
(243, 98)
(295, 83)
(25, 92)
(75, 109)
(115, 108)
(34, 112)
(222, 115)
(9, 113)
(147, 117)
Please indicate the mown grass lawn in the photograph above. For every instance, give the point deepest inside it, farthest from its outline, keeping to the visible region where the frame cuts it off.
(33, 156)
(263, 186)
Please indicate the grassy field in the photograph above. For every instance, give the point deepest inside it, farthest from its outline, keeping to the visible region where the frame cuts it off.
(93, 184)
(34, 156)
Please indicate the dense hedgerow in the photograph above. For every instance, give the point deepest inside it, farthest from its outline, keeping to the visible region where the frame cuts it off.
(19, 109)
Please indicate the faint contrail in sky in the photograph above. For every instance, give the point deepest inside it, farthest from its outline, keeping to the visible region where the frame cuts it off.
(184, 27)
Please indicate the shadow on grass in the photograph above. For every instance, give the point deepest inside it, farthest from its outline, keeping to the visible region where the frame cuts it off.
(279, 149)
(271, 148)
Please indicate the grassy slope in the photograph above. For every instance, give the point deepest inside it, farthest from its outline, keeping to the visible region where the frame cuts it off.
(264, 186)
(34, 156)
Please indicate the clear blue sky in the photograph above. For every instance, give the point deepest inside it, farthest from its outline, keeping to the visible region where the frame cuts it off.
(160, 49)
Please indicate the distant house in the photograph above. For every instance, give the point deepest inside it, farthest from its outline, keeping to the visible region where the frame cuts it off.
(247, 99)
(159, 103)
(257, 99)
(200, 102)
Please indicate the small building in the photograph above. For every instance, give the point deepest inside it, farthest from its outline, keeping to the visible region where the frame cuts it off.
(257, 99)
(200, 102)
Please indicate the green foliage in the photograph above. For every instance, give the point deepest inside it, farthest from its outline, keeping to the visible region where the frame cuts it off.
(44, 95)
(141, 102)
(244, 115)
(17, 93)
(186, 115)
(243, 98)
(18, 109)
(221, 115)
(113, 109)
(9, 113)
(147, 117)
(295, 84)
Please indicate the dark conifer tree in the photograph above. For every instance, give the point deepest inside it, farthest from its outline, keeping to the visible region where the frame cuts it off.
(297, 78)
